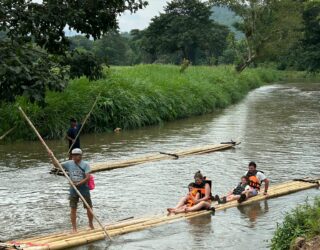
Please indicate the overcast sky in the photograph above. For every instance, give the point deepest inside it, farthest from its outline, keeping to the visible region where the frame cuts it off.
(141, 18)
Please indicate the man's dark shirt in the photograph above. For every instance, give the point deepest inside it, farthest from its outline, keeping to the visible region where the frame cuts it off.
(72, 133)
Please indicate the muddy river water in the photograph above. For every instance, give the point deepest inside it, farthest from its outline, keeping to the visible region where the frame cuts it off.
(278, 126)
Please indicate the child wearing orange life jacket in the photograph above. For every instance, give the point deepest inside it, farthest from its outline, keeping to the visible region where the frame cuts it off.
(235, 193)
(193, 195)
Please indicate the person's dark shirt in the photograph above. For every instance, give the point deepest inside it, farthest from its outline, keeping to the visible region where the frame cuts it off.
(72, 133)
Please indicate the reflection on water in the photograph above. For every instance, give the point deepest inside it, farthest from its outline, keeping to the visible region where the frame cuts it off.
(200, 229)
(253, 211)
(278, 126)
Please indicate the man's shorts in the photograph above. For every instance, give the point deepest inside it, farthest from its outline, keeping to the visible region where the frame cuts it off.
(254, 192)
(75, 199)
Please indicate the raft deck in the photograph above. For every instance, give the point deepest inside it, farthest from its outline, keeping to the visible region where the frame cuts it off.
(101, 166)
(67, 240)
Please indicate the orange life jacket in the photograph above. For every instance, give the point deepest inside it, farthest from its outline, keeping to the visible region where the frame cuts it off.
(253, 180)
(201, 188)
(190, 202)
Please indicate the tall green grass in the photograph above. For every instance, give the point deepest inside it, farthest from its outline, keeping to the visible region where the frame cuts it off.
(136, 96)
(304, 221)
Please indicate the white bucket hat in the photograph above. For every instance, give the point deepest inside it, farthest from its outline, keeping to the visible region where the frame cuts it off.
(76, 151)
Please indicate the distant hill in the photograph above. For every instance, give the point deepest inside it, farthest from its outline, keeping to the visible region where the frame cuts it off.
(227, 17)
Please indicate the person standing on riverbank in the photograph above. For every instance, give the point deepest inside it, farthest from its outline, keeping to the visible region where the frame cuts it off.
(72, 134)
(79, 172)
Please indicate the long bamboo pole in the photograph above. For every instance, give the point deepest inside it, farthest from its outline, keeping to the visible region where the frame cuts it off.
(8, 132)
(57, 163)
(84, 121)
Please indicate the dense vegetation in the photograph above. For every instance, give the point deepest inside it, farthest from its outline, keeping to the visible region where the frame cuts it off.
(184, 30)
(270, 27)
(305, 53)
(284, 34)
(37, 55)
(304, 221)
(37, 58)
(33, 43)
(135, 96)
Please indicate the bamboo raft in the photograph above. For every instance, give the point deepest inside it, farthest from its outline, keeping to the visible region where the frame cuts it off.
(67, 240)
(101, 166)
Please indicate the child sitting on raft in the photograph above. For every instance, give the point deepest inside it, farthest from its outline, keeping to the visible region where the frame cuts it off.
(203, 186)
(192, 196)
(238, 193)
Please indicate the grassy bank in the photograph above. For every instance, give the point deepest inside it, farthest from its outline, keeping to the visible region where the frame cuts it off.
(300, 76)
(136, 96)
(304, 222)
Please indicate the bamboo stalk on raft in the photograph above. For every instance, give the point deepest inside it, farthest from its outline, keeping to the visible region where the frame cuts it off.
(63, 235)
(83, 233)
(62, 169)
(84, 121)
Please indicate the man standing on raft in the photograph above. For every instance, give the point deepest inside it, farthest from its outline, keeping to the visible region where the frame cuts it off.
(79, 172)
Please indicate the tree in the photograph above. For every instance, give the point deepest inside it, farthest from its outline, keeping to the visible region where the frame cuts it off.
(140, 54)
(113, 49)
(27, 70)
(305, 53)
(84, 63)
(27, 23)
(311, 40)
(80, 41)
(230, 55)
(185, 27)
(270, 26)
(45, 22)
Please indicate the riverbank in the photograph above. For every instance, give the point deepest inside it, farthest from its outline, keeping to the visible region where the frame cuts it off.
(300, 229)
(133, 97)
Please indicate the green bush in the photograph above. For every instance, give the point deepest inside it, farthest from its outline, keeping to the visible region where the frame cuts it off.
(84, 63)
(304, 221)
(136, 96)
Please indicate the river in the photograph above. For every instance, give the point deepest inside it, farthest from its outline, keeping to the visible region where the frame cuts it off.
(278, 126)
